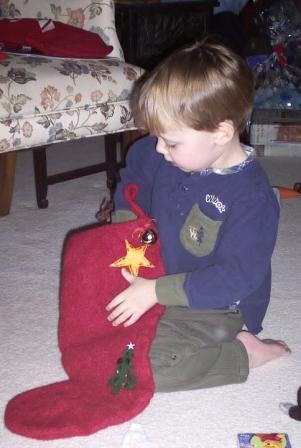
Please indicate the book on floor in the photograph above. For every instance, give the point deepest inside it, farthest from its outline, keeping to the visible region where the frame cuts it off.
(263, 440)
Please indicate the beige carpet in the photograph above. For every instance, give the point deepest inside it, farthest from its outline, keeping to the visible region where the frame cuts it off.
(30, 248)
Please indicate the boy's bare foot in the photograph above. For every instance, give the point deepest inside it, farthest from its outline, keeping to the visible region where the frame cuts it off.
(262, 351)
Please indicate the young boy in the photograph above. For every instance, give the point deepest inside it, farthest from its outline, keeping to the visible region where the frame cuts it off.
(217, 218)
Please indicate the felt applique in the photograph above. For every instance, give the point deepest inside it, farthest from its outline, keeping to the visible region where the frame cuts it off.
(124, 377)
(134, 259)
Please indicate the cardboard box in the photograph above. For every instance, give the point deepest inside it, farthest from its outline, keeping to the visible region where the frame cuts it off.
(281, 139)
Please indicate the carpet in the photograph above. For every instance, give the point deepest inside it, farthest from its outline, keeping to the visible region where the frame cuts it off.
(30, 250)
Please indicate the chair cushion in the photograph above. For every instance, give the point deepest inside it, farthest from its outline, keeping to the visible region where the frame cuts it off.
(45, 100)
(52, 38)
(98, 17)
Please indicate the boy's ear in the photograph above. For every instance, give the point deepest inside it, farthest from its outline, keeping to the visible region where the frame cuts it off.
(224, 132)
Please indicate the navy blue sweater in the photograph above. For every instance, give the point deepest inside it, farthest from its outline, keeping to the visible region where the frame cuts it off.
(217, 232)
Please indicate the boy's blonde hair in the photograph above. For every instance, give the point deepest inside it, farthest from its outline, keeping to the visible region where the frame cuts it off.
(198, 86)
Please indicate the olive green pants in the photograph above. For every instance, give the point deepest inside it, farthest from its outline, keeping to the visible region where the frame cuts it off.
(194, 349)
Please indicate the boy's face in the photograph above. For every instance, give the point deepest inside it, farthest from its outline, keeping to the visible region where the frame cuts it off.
(190, 150)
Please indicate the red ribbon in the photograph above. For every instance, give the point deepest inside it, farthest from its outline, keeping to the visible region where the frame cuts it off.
(278, 49)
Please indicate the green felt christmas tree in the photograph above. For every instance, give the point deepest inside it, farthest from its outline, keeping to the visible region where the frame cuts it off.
(124, 377)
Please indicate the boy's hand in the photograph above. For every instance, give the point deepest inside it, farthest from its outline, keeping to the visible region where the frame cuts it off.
(133, 302)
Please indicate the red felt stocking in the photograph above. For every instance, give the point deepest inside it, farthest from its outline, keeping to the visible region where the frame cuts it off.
(89, 344)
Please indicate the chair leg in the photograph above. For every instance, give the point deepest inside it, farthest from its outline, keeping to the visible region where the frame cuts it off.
(112, 165)
(40, 174)
(7, 178)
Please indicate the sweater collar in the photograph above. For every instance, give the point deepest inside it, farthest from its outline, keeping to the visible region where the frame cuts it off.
(233, 169)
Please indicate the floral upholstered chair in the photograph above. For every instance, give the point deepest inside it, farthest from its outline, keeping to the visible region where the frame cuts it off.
(45, 100)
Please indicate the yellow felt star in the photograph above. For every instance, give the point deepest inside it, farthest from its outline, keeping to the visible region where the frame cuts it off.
(134, 259)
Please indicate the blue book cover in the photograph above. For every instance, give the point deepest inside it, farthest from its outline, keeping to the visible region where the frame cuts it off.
(262, 440)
